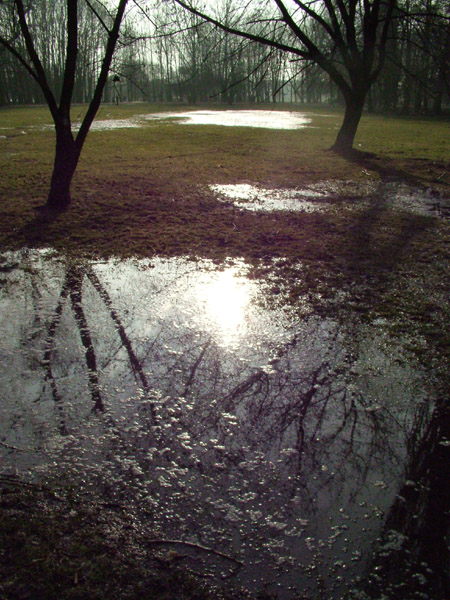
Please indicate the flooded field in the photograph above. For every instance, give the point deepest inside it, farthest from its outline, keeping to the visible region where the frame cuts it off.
(282, 440)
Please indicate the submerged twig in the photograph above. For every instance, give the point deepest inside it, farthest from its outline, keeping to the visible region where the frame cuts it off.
(10, 447)
(163, 542)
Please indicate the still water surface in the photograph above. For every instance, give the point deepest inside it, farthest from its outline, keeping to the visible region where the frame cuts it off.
(266, 119)
(319, 198)
(173, 387)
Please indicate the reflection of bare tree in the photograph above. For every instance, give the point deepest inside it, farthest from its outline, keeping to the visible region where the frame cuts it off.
(73, 287)
(74, 280)
(194, 368)
(134, 361)
(229, 448)
(413, 559)
(297, 411)
(305, 411)
(49, 346)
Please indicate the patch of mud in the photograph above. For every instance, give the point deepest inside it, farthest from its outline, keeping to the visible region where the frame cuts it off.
(267, 119)
(170, 387)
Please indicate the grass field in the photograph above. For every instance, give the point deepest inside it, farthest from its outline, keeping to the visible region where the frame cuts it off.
(160, 172)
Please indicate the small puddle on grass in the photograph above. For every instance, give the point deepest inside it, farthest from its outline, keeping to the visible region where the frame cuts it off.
(318, 198)
(249, 197)
(418, 201)
(170, 387)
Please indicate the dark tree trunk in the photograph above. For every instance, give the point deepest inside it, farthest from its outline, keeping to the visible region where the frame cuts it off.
(439, 93)
(354, 104)
(68, 149)
(65, 164)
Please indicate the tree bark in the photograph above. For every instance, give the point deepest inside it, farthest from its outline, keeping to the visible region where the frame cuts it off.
(67, 154)
(354, 104)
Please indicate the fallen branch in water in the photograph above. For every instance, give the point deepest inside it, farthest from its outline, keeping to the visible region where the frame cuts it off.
(10, 447)
(163, 542)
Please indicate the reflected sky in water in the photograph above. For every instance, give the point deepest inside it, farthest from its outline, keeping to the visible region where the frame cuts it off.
(317, 198)
(170, 386)
(265, 119)
(194, 295)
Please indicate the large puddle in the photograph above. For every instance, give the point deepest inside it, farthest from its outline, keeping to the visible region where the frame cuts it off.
(171, 387)
(267, 119)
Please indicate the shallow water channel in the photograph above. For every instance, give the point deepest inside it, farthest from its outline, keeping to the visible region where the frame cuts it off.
(173, 387)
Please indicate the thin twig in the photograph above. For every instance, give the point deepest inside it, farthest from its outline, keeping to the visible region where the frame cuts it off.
(196, 546)
(5, 445)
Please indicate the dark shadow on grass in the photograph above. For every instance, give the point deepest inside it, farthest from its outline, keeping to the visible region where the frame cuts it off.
(388, 171)
(34, 232)
(377, 246)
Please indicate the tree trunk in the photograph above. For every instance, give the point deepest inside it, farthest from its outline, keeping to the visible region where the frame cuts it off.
(354, 104)
(65, 164)
(439, 93)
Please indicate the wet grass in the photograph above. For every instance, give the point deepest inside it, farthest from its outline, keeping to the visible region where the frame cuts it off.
(144, 192)
(54, 545)
(158, 174)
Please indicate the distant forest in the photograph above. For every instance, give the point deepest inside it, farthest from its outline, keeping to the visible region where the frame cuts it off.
(166, 54)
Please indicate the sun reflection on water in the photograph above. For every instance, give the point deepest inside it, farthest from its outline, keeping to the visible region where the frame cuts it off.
(225, 300)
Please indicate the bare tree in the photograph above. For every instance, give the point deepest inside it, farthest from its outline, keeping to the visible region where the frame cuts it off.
(21, 39)
(346, 39)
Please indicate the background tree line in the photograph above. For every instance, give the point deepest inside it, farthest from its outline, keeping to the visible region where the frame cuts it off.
(168, 54)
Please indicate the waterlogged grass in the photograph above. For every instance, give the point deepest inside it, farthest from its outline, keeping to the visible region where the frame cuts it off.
(55, 546)
(145, 192)
(140, 191)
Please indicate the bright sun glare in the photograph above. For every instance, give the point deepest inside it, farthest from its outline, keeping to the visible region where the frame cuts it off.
(225, 299)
